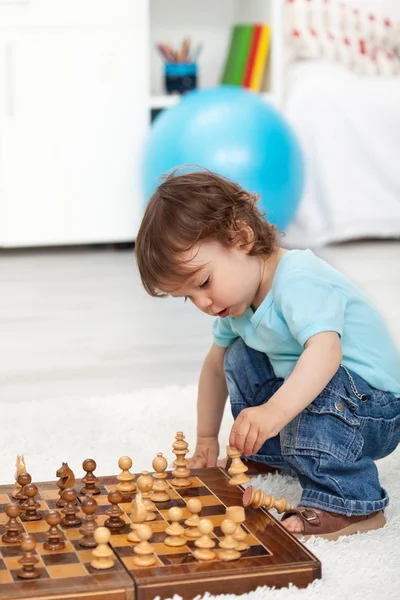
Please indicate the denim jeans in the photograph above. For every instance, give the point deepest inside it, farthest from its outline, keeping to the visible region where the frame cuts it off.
(332, 444)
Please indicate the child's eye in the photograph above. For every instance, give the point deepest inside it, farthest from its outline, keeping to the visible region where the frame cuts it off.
(205, 283)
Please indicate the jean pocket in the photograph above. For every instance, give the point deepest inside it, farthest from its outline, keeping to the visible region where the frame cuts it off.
(326, 425)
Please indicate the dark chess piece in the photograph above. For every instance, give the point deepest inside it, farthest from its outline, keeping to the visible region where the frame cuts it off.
(30, 506)
(13, 528)
(55, 537)
(29, 559)
(90, 488)
(89, 507)
(66, 481)
(70, 509)
(114, 522)
(22, 480)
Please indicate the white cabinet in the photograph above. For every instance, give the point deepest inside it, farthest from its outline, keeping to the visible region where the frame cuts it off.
(73, 119)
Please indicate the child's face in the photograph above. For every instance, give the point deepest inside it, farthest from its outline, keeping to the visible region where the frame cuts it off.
(227, 282)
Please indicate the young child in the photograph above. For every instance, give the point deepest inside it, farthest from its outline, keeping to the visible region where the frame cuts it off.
(312, 373)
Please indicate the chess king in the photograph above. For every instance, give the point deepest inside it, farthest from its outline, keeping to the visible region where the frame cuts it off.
(311, 370)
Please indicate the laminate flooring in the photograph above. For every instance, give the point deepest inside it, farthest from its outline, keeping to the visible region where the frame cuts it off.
(76, 321)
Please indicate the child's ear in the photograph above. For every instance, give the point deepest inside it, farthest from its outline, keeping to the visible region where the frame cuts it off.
(244, 237)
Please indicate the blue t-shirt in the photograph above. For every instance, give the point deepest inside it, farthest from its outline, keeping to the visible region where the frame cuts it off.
(308, 296)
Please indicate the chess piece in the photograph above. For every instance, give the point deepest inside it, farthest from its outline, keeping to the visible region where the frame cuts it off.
(103, 556)
(194, 506)
(181, 472)
(89, 507)
(14, 529)
(20, 468)
(237, 468)
(237, 515)
(228, 543)
(126, 485)
(160, 486)
(144, 553)
(30, 506)
(55, 537)
(90, 488)
(257, 498)
(175, 530)
(114, 521)
(66, 481)
(205, 543)
(145, 485)
(22, 481)
(70, 510)
(138, 516)
(29, 559)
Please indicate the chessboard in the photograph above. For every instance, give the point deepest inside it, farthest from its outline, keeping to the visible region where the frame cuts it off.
(274, 557)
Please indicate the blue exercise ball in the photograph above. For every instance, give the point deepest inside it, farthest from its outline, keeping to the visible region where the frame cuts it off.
(234, 133)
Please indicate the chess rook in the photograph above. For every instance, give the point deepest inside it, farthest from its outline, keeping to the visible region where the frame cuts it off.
(257, 498)
(181, 473)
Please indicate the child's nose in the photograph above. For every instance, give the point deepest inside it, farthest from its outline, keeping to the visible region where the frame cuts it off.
(206, 304)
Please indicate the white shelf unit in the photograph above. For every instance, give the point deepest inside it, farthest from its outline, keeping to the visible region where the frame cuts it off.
(210, 22)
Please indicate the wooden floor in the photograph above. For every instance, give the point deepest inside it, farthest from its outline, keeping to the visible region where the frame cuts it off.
(77, 322)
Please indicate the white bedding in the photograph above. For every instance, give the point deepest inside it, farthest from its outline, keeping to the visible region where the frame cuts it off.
(349, 129)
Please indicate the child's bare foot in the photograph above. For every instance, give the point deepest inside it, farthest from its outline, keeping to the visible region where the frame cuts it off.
(293, 524)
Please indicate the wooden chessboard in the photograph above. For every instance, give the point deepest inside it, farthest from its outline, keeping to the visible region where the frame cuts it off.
(274, 558)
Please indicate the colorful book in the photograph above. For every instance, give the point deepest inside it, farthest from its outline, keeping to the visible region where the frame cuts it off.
(235, 64)
(260, 59)
(255, 40)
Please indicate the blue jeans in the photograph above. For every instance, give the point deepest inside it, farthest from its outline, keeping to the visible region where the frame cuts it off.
(332, 444)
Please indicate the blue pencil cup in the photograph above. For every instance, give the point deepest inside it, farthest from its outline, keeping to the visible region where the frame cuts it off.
(180, 77)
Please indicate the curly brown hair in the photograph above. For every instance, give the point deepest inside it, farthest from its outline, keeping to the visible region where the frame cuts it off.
(189, 208)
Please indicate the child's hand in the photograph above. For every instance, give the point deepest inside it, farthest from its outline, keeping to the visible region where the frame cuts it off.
(254, 426)
(206, 453)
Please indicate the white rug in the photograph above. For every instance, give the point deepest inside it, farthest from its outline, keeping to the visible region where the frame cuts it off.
(361, 567)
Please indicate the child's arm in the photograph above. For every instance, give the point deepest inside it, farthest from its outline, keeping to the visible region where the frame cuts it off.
(315, 368)
(211, 400)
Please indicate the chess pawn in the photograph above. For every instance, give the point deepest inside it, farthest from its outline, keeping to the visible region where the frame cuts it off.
(89, 507)
(228, 543)
(138, 516)
(22, 481)
(237, 515)
(175, 530)
(90, 488)
(114, 521)
(257, 498)
(181, 472)
(28, 560)
(30, 506)
(194, 506)
(20, 468)
(70, 509)
(126, 487)
(145, 485)
(144, 553)
(205, 543)
(103, 556)
(54, 535)
(237, 468)
(160, 486)
(13, 528)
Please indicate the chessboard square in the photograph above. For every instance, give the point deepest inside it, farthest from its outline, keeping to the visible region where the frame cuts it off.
(49, 494)
(85, 556)
(60, 558)
(101, 500)
(159, 526)
(5, 577)
(68, 548)
(158, 537)
(177, 559)
(160, 548)
(35, 526)
(209, 500)
(10, 550)
(13, 563)
(3, 518)
(5, 499)
(43, 505)
(208, 511)
(118, 540)
(126, 507)
(173, 494)
(251, 540)
(67, 571)
(2, 565)
(72, 534)
(216, 519)
(196, 492)
(256, 550)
